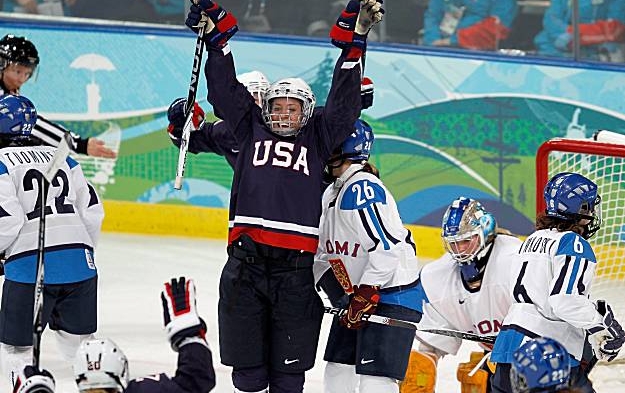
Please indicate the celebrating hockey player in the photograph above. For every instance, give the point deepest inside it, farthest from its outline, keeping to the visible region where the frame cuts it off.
(18, 63)
(102, 367)
(213, 137)
(541, 365)
(364, 244)
(269, 311)
(551, 289)
(466, 290)
(74, 215)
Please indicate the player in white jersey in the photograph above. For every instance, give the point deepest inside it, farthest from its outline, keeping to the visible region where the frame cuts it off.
(466, 289)
(551, 289)
(73, 219)
(19, 59)
(363, 242)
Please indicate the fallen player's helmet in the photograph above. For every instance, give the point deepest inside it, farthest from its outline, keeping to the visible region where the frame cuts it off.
(100, 364)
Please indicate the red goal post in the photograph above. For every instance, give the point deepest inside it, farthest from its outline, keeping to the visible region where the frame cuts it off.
(603, 163)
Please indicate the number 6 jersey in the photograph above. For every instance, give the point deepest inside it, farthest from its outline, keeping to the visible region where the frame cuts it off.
(73, 211)
(550, 294)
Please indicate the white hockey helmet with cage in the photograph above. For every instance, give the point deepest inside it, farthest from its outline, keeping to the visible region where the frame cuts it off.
(290, 88)
(256, 83)
(100, 364)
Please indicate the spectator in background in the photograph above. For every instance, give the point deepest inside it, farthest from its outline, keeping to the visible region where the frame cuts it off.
(39, 7)
(601, 30)
(469, 24)
(169, 11)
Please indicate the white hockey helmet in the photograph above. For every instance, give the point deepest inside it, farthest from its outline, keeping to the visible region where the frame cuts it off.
(290, 88)
(100, 364)
(256, 83)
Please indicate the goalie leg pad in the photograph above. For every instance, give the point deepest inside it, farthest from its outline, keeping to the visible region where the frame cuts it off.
(478, 382)
(421, 373)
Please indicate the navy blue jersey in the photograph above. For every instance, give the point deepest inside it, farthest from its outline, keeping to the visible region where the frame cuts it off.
(213, 138)
(195, 374)
(276, 189)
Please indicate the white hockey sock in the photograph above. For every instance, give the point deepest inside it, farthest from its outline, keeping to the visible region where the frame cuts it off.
(371, 384)
(339, 378)
(241, 391)
(68, 343)
(14, 359)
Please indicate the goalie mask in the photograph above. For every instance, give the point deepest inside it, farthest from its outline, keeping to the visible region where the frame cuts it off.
(18, 50)
(100, 364)
(17, 117)
(540, 365)
(256, 83)
(468, 230)
(288, 105)
(573, 197)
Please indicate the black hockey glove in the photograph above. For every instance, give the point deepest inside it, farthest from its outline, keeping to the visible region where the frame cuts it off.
(182, 322)
(175, 115)
(220, 24)
(607, 338)
(31, 380)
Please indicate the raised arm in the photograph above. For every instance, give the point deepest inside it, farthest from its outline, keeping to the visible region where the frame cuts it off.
(343, 104)
(225, 93)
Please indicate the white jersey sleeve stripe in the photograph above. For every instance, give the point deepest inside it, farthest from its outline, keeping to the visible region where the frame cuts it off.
(378, 227)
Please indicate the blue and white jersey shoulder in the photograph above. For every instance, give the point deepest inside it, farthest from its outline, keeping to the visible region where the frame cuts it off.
(73, 212)
(363, 238)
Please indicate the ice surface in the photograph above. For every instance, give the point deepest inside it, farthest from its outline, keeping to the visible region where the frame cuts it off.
(132, 269)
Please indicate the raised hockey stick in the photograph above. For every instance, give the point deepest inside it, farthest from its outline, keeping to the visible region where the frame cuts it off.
(414, 326)
(188, 123)
(60, 155)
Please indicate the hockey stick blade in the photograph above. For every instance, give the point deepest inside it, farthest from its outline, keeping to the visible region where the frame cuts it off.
(186, 131)
(414, 326)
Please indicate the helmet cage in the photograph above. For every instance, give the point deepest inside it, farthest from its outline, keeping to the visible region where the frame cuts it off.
(540, 365)
(290, 88)
(256, 83)
(467, 229)
(573, 197)
(109, 371)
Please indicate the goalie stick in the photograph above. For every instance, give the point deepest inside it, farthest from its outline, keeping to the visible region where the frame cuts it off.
(414, 326)
(188, 123)
(60, 155)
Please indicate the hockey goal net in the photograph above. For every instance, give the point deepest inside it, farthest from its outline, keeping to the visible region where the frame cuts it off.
(603, 163)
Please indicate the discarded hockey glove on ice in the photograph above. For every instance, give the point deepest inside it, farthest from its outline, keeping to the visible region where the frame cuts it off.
(32, 380)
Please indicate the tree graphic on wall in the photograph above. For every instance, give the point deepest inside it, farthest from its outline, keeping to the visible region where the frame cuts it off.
(321, 84)
(522, 198)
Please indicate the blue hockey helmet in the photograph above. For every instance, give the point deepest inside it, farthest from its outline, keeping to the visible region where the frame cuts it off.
(357, 146)
(573, 197)
(540, 365)
(17, 117)
(467, 230)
